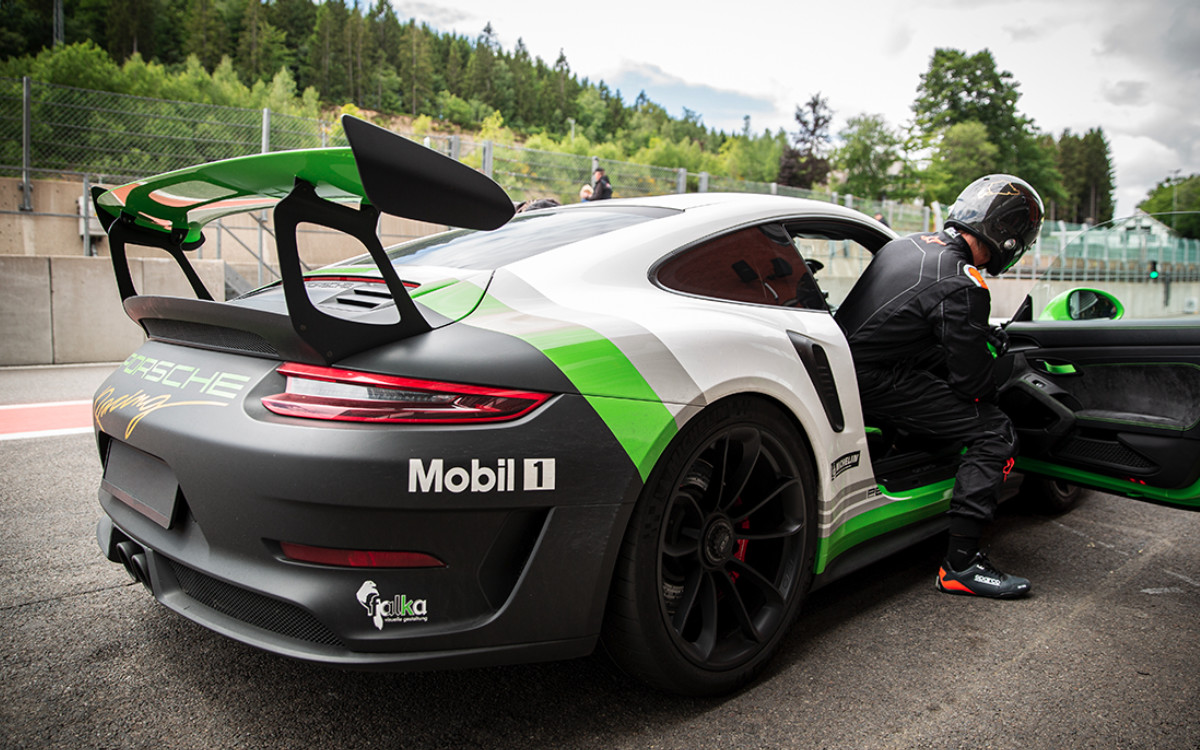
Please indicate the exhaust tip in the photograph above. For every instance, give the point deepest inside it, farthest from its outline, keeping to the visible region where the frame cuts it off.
(133, 558)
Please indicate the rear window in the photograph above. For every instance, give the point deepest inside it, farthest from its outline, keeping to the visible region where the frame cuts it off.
(523, 237)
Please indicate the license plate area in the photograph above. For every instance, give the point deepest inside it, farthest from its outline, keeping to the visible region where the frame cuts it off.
(142, 482)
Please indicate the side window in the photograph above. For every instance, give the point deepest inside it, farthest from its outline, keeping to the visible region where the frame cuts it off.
(761, 265)
(836, 255)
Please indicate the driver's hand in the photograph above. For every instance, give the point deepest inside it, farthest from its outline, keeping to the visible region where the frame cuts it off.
(997, 340)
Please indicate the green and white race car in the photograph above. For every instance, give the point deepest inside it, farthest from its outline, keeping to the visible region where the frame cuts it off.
(633, 421)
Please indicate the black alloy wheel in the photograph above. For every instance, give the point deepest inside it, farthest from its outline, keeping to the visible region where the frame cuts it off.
(718, 555)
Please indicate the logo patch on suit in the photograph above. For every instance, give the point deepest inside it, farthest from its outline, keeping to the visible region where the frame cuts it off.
(976, 276)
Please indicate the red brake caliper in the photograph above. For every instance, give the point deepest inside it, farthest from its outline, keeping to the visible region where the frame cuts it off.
(740, 553)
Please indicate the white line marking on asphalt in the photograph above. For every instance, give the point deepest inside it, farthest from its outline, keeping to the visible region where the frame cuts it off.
(45, 433)
(45, 403)
(1183, 578)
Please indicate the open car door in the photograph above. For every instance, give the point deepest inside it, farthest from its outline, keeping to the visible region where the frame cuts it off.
(1111, 404)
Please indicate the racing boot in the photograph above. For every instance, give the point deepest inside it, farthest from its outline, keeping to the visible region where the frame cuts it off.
(980, 578)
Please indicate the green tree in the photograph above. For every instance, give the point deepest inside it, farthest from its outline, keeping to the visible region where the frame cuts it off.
(1179, 199)
(359, 54)
(207, 34)
(83, 65)
(130, 28)
(524, 87)
(959, 88)
(457, 55)
(591, 112)
(261, 49)
(805, 164)
(26, 27)
(416, 66)
(481, 67)
(296, 19)
(1087, 172)
(756, 159)
(869, 151)
(328, 58)
(84, 20)
(963, 154)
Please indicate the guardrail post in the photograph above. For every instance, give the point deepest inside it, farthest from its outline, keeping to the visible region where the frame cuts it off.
(26, 142)
(703, 182)
(681, 180)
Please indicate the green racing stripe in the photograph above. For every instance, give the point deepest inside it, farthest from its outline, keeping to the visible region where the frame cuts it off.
(902, 509)
(1187, 497)
(614, 387)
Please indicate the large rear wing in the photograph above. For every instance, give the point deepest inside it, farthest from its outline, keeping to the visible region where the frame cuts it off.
(381, 171)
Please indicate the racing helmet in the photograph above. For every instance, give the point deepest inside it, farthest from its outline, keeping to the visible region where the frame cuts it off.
(1002, 211)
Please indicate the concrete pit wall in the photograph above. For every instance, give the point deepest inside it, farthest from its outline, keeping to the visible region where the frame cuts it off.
(59, 305)
(64, 310)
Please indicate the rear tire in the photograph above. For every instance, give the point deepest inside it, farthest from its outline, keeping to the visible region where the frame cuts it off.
(1051, 496)
(718, 555)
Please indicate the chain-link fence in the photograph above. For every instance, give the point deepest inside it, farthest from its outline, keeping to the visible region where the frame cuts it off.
(51, 130)
(54, 128)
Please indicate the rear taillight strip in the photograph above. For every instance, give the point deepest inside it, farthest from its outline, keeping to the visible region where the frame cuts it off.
(329, 393)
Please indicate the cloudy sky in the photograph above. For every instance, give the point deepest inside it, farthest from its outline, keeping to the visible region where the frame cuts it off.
(1130, 67)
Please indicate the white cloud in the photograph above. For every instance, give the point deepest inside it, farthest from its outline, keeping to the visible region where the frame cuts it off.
(1129, 68)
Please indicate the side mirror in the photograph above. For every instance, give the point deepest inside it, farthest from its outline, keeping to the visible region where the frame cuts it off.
(1083, 304)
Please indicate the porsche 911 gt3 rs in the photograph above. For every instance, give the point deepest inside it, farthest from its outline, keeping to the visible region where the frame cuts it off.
(633, 420)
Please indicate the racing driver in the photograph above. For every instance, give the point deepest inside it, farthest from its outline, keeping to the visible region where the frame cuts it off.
(917, 324)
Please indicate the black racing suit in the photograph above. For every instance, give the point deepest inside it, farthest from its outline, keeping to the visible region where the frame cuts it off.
(917, 323)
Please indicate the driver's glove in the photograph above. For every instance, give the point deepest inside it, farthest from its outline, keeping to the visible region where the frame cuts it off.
(997, 341)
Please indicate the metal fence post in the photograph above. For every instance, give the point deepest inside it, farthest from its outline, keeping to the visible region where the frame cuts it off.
(681, 180)
(703, 182)
(87, 217)
(26, 143)
(455, 145)
(487, 158)
(262, 217)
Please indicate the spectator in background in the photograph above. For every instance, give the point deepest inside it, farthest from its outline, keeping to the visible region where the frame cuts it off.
(880, 218)
(601, 187)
